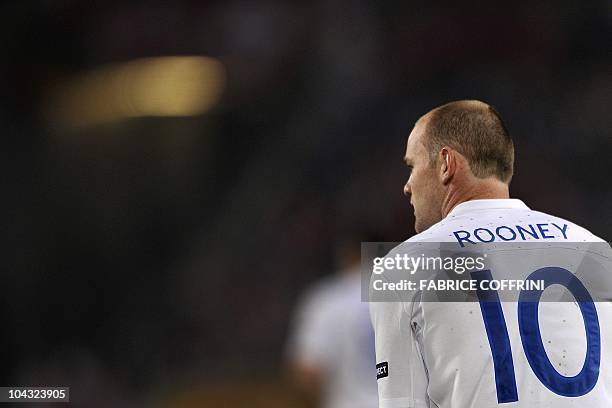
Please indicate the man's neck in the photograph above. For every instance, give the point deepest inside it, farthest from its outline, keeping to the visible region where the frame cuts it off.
(480, 190)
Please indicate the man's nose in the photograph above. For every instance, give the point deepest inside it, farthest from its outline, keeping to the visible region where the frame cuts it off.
(407, 189)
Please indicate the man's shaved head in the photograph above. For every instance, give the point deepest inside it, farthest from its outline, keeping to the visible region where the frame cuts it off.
(456, 152)
(475, 130)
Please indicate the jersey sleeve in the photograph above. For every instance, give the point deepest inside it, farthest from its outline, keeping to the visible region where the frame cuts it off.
(402, 379)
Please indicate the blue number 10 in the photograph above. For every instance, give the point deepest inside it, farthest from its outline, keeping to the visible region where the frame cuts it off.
(531, 338)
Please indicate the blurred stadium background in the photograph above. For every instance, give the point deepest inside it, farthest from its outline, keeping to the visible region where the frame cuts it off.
(176, 173)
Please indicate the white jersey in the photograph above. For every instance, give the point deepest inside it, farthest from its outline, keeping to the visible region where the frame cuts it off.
(468, 354)
(332, 332)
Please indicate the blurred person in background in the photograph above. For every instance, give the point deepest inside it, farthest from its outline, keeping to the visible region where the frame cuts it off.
(331, 354)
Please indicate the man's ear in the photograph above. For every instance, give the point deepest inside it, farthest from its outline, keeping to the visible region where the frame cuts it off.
(448, 165)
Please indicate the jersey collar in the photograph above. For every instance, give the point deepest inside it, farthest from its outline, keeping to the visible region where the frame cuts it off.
(488, 204)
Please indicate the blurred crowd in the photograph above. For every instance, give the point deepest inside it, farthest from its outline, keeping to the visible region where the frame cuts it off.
(159, 259)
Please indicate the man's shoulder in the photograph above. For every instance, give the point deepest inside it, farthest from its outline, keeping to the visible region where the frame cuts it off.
(439, 232)
(503, 225)
(435, 233)
(425, 242)
(576, 233)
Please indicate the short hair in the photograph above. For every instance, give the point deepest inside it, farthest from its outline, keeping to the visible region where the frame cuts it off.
(477, 131)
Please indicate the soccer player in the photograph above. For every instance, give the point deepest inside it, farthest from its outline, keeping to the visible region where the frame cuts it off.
(495, 353)
(332, 343)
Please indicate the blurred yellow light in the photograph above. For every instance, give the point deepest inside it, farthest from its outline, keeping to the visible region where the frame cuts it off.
(163, 86)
